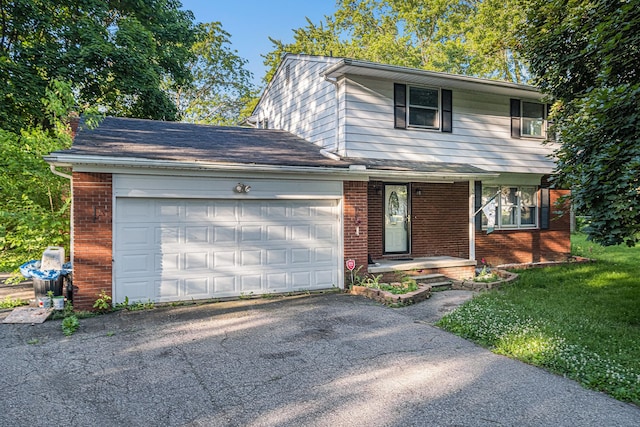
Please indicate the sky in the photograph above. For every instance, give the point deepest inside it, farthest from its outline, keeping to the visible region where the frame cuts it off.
(252, 22)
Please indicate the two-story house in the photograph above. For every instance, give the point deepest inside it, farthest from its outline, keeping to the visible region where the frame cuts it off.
(438, 147)
(384, 165)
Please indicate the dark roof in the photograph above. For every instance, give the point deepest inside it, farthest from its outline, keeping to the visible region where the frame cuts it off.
(186, 142)
(158, 140)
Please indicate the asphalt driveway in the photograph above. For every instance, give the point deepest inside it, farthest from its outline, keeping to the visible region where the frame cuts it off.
(327, 360)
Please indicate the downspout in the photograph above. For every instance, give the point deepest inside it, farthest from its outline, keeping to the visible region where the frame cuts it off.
(70, 178)
(56, 172)
(334, 82)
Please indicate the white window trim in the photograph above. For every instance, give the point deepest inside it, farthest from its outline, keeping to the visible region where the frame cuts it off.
(519, 225)
(438, 109)
(522, 117)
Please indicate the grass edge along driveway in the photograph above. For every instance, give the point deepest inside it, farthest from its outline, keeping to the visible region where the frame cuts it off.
(581, 321)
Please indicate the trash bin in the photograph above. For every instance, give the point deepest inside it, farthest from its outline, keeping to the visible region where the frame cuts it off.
(42, 286)
(49, 274)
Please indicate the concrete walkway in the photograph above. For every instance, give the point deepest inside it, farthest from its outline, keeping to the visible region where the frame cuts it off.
(328, 360)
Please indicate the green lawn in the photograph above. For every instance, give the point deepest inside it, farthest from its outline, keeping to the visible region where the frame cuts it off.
(579, 320)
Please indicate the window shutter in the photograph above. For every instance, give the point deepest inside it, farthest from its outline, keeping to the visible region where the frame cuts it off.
(550, 136)
(400, 105)
(478, 204)
(515, 118)
(545, 209)
(447, 107)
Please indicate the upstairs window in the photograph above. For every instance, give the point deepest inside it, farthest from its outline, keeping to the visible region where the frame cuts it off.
(424, 106)
(528, 119)
(533, 119)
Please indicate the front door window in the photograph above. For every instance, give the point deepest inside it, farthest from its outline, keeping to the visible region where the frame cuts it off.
(396, 218)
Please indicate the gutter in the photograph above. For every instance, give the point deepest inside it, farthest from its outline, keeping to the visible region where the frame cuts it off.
(349, 171)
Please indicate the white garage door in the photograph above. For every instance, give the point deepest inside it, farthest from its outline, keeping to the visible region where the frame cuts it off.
(170, 250)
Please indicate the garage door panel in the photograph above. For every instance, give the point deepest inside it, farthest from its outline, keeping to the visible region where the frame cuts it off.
(324, 279)
(276, 233)
(167, 263)
(224, 258)
(224, 285)
(224, 234)
(276, 257)
(197, 287)
(135, 237)
(196, 211)
(168, 249)
(300, 232)
(135, 290)
(136, 263)
(250, 233)
(300, 255)
(196, 260)
(326, 254)
(250, 258)
(195, 234)
(251, 282)
(168, 288)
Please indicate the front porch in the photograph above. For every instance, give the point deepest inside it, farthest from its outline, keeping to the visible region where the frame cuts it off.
(451, 267)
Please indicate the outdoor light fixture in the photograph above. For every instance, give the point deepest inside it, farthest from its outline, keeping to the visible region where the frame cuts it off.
(242, 188)
(418, 192)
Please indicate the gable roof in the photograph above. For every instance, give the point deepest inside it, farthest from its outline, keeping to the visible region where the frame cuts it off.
(346, 66)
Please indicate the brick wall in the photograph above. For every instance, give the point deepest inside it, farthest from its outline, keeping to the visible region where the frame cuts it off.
(439, 219)
(92, 234)
(522, 246)
(355, 224)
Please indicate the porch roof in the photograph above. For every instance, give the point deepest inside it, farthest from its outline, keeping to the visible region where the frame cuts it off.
(420, 171)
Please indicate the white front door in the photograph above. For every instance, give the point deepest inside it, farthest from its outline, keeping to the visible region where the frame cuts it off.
(180, 249)
(396, 218)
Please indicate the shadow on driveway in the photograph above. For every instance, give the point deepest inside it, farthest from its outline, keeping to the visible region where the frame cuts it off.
(325, 360)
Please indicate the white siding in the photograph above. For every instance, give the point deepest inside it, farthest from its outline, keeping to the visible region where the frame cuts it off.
(481, 132)
(305, 105)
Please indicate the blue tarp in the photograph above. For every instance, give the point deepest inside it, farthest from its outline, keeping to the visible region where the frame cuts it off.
(31, 269)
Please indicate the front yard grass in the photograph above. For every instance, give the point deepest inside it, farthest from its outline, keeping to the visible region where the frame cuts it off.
(579, 320)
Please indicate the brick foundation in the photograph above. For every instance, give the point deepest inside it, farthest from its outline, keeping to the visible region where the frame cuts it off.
(525, 246)
(92, 236)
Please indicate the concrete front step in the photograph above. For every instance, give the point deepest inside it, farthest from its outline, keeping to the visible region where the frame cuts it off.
(441, 286)
(429, 278)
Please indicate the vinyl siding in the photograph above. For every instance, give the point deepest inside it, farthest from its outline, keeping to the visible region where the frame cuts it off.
(305, 105)
(481, 132)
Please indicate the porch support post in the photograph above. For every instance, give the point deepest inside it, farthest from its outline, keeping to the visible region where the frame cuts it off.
(472, 221)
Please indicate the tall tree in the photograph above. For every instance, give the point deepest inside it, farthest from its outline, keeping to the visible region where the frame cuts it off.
(585, 55)
(115, 52)
(221, 85)
(472, 37)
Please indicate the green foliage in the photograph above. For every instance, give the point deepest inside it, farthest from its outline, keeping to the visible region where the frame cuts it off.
(221, 87)
(116, 53)
(103, 302)
(135, 306)
(69, 325)
(471, 38)
(370, 281)
(34, 203)
(584, 54)
(12, 302)
(578, 320)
